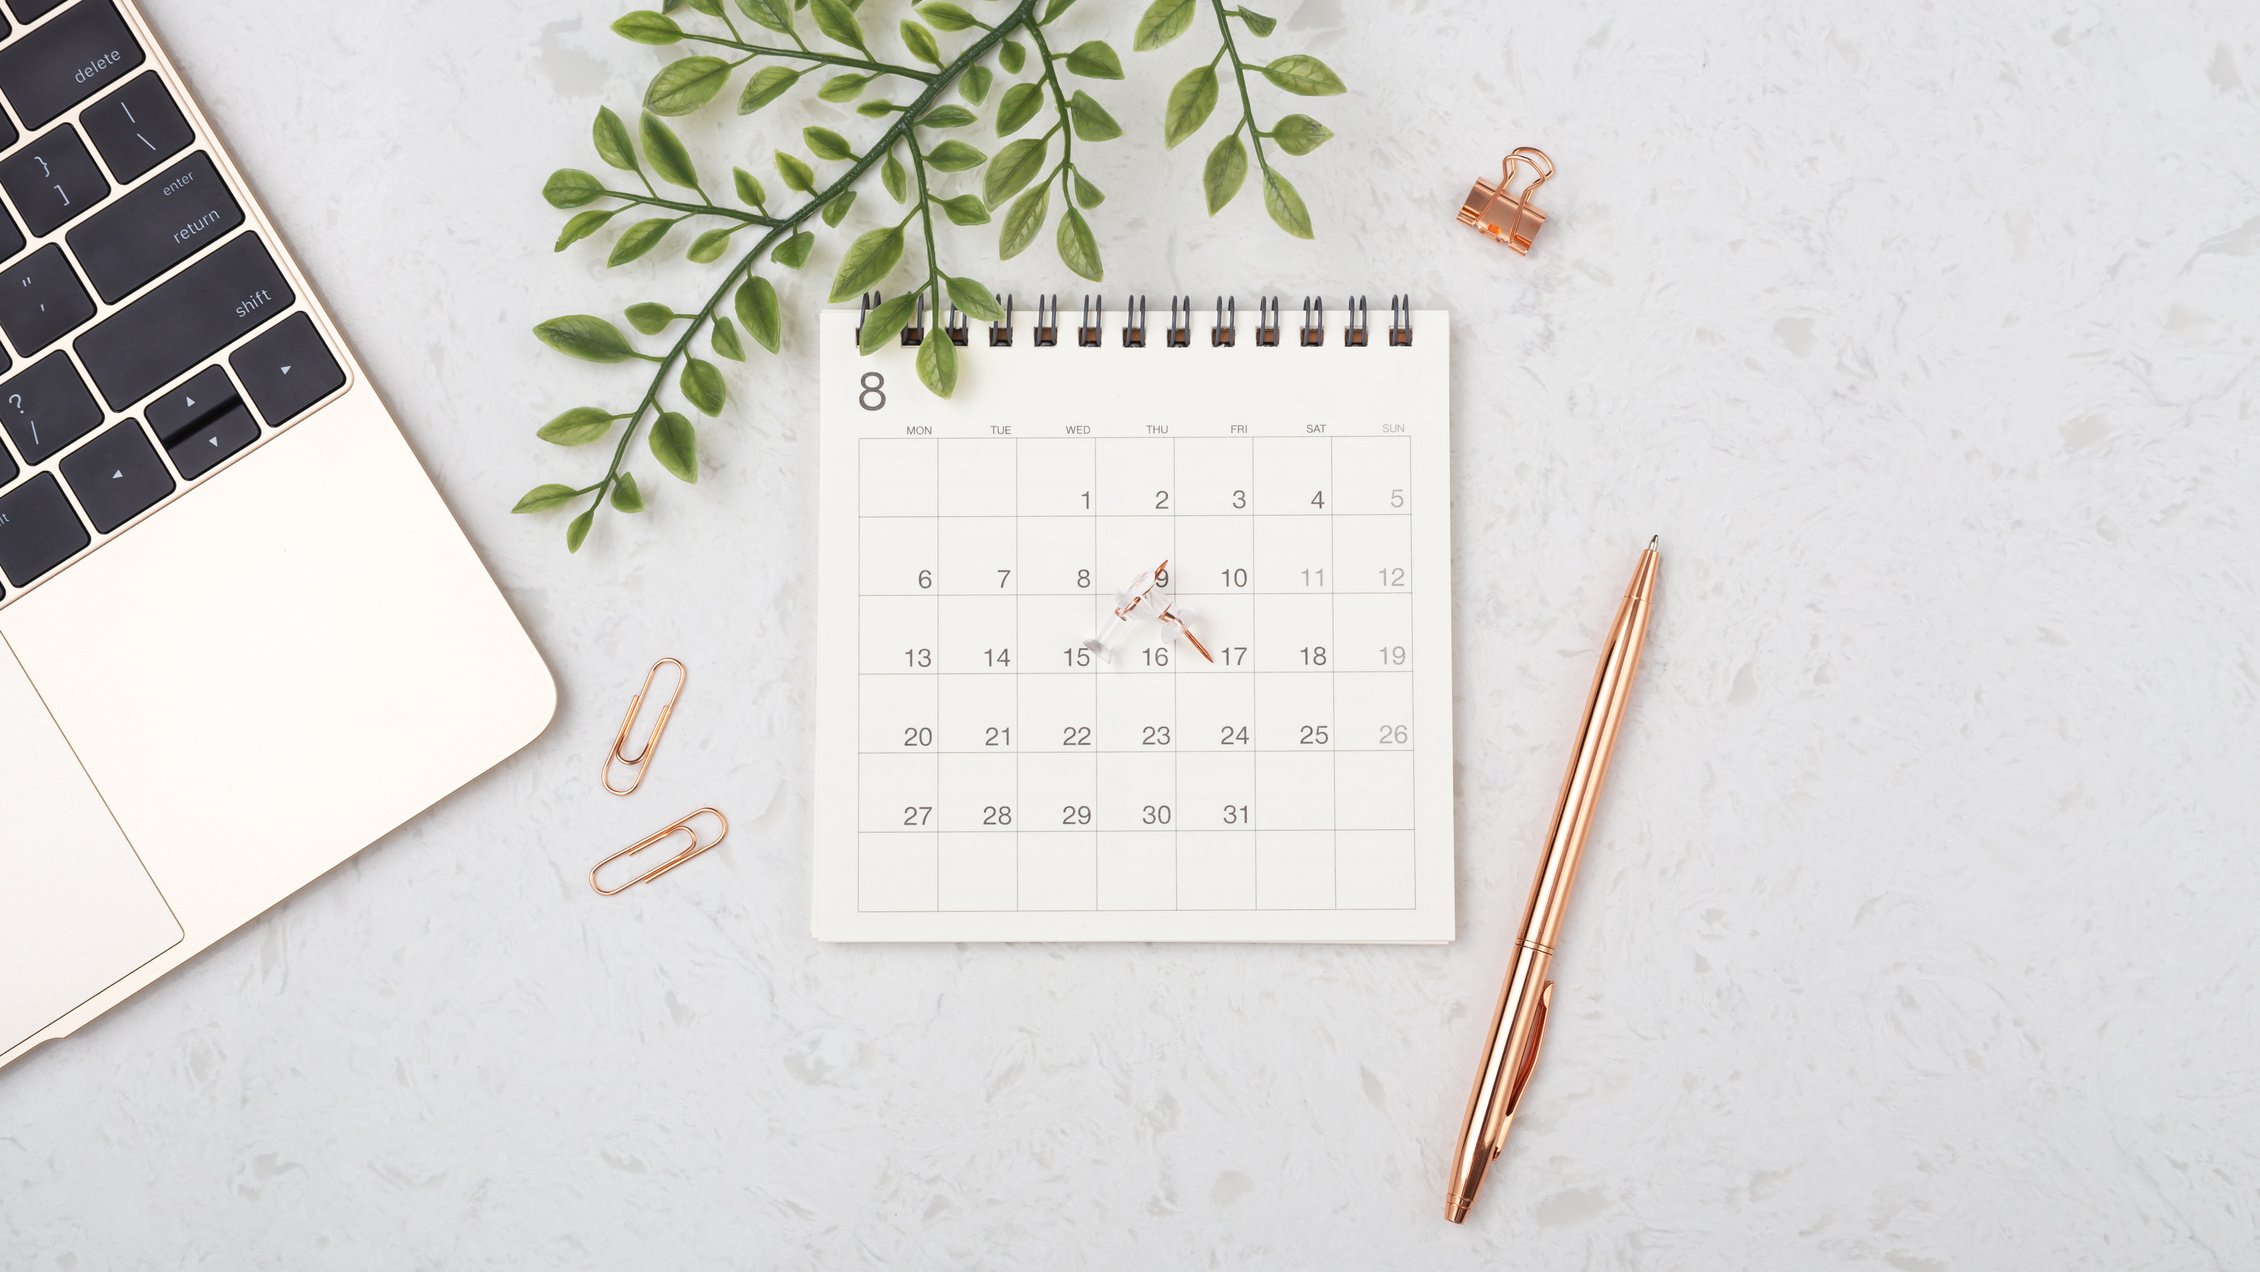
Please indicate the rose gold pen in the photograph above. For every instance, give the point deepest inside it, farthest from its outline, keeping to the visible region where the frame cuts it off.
(1520, 1022)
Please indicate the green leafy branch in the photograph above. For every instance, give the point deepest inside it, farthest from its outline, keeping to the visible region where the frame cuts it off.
(1194, 99)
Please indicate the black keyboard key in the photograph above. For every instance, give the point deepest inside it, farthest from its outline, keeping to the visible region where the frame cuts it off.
(79, 54)
(41, 300)
(11, 238)
(52, 179)
(202, 422)
(287, 370)
(169, 218)
(137, 127)
(46, 407)
(183, 320)
(33, 10)
(8, 469)
(117, 476)
(38, 530)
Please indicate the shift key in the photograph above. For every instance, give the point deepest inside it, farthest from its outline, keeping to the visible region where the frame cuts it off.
(183, 320)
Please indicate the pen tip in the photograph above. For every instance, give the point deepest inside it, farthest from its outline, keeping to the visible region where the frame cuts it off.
(1653, 540)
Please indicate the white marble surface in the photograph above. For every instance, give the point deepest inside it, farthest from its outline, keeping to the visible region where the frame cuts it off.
(1918, 933)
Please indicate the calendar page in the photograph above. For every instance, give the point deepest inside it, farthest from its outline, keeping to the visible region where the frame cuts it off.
(1136, 642)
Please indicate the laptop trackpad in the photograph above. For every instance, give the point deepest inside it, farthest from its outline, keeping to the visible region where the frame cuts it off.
(77, 911)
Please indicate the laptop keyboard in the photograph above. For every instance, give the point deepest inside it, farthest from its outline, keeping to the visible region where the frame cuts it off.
(146, 341)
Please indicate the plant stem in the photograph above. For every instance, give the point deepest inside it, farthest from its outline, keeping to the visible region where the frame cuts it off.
(811, 55)
(1059, 98)
(926, 226)
(777, 229)
(695, 209)
(1240, 76)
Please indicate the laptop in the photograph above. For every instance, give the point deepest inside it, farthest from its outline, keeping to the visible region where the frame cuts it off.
(240, 636)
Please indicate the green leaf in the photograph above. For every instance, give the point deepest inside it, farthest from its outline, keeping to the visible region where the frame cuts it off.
(777, 15)
(894, 178)
(1018, 105)
(920, 42)
(1304, 76)
(946, 117)
(684, 85)
(725, 340)
(1015, 166)
(707, 248)
(885, 322)
(577, 533)
(1012, 56)
(587, 337)
(836, 20)
(1286, 206)
(650, 317)
(1095, 60)
(1053, 10)
(582, 225)
(937, 361)
(665, 150)
(876, 110)
(645, 27)
(1300, 134)
(1258, 25)
(711, 8)
(1088, 195)
(543, 498)
(637, 240)
(946, 17)
(579, 426)
(836, 211)
(793, 252)
(767, 85)
(1226, 168)
(1022, 220)
(826, 144)
(797, 174)
(973, 86)
(612, 143)
(866, 261)
(966, 209)
(1189, 104)
(625, 496)
(701, 384)
(1077, 249)
(750, 192)
(674, 443)
(844, 88)
(954, 156)
(571, 187)
(975, 299)
(1092, 123)
(1164, 21)
(758, 310)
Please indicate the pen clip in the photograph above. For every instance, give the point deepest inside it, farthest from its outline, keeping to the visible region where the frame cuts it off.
(1529, 1055)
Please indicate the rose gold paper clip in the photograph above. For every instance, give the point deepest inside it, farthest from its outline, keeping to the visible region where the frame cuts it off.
(682, 826)
(640, 762)
(1510, 218)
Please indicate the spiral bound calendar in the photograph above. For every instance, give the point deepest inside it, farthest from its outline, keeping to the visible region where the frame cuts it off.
(1137, 639)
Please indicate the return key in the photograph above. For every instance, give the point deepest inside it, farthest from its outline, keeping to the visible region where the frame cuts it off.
(160, 223)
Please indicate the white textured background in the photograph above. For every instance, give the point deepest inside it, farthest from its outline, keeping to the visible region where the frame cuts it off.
(1919, 929)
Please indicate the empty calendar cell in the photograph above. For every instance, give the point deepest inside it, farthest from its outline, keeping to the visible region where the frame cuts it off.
(1293, 554)
(1293, 633)
(1213, 556)
(1058, 715)
(1137, 870)
(1295, 870)
(977, 556)
(896, 872)
(1374, 711)
(1127, 547)
(1136, 792)
(1216, 792)
(1216, 711)
(978, 792)
(1373, 633)
(977, 715)
(1372, 475)
(1214, 477)
(1136, 476)
(1057, 792)
(978, 870)
(898, 477)
(1137, 714)
(976, 634)
(899, 794)
(897, 634)
(1058, 556)
(1373, 790)
(1052, 632)
(1374, 869)
(900, 556)
(1216, 870)
(900, 715)
(1373, 555)
(1058, 477)
(1059, 870)
(1296, 791)
(1293, 475)
(977, 477)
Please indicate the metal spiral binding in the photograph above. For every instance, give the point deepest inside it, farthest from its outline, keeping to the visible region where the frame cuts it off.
(1226, 332)
(1047, 321)
(1001, 333)
(956, 326)
(1400, 320)
(914, 331)
(1180, 333)
(863, 315)
(1267, 321)
(1354, 325)
(1134, 323)
(1089, 334)
(1314, 321)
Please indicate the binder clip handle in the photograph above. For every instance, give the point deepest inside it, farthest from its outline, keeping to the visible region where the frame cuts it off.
(1498, 211)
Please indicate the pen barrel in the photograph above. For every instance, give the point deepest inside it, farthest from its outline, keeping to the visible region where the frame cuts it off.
(1506, 1055)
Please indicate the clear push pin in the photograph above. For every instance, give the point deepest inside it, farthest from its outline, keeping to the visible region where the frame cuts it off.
(1126, 604)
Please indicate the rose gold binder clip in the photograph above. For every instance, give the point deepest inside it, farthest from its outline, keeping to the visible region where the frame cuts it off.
(685, 827)
(640, 762)
(1508, 217)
